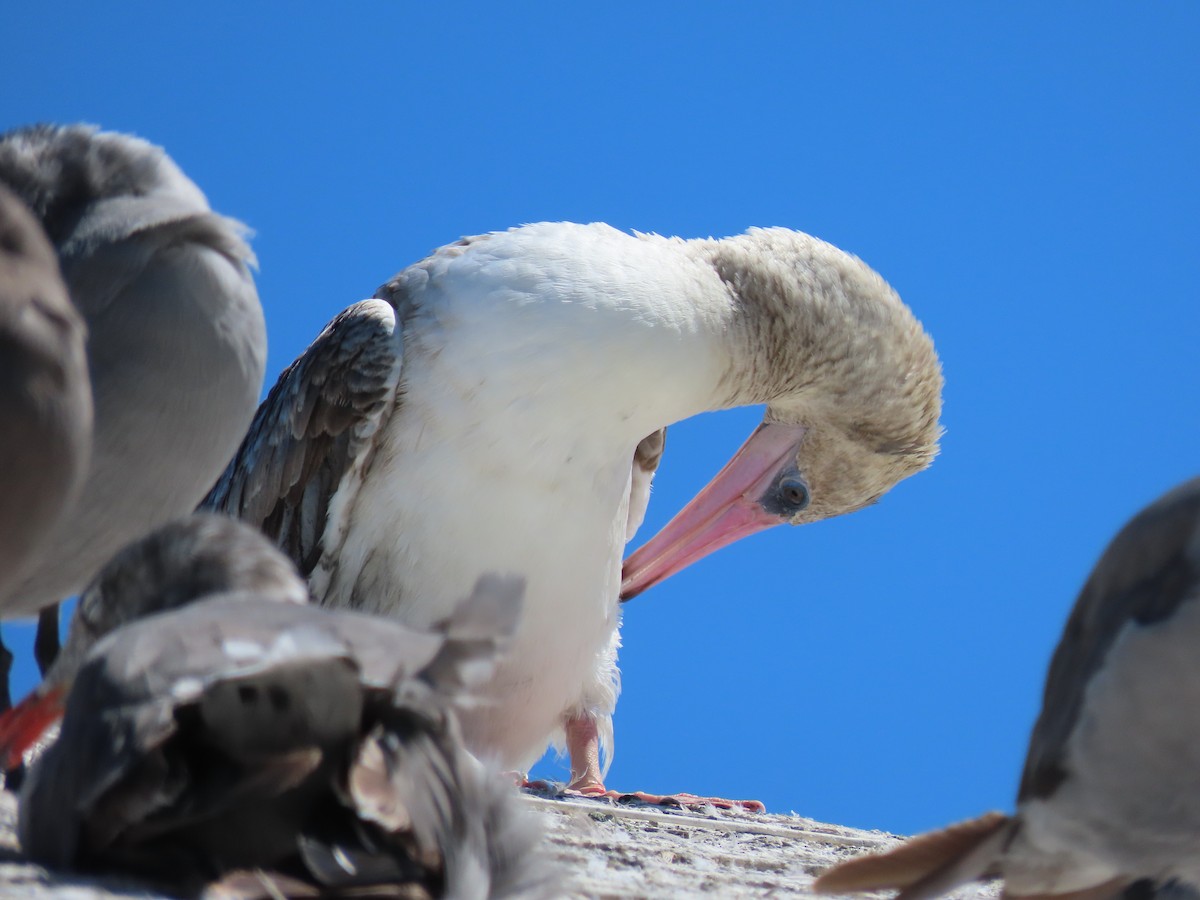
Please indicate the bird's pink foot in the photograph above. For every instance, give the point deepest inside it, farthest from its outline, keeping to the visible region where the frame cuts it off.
(687, 801)
(587, 789)
(583, 744)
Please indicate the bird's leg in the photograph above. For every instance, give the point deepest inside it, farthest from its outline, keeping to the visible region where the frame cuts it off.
(583, 746)
(45, 644)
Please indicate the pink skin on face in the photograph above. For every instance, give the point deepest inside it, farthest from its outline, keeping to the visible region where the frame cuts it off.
(725, 511)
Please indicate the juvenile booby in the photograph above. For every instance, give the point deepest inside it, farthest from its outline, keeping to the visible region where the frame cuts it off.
(484, 412)
(176, 340)
(177, 564)
(1110, 794)
(264, 747)
(45, 397)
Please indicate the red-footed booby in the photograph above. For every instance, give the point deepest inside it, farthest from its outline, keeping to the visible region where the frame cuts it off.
(45, 396)
(484, 412)
(249, 743)
(176, 342)
(1110, 794)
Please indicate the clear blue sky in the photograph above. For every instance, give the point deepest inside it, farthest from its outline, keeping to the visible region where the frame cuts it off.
(1024, 175)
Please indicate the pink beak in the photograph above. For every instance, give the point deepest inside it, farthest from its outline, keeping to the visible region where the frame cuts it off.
(725, 511)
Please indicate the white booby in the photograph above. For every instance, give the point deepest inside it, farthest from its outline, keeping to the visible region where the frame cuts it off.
(176, 339)
(246, 741)
(484, 411)
(1110, 794)
(45, 397)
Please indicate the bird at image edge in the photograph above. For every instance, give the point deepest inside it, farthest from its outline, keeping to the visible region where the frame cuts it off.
(176, 343)
(1107, 805)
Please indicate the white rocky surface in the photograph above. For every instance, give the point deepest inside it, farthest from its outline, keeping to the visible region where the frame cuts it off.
(617, 851)
(606, 851)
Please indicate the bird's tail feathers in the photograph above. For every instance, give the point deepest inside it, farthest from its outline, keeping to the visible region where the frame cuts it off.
(514, 864)
(431, 798)
(928, 865)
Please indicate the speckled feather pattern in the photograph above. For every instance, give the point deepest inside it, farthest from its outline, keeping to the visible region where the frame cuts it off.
(856, 360)
(300, 466)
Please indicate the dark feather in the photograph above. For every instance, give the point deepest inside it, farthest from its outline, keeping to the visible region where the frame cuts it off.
(319, 749)
(1149, 569)
(316, 424)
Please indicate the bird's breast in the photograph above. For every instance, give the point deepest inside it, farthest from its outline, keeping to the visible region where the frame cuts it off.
(436, 512)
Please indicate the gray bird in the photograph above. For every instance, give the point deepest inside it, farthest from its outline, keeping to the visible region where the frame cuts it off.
(1110, 794)
(176, 340)
(184, 561)
(45, 398)
(256, 749)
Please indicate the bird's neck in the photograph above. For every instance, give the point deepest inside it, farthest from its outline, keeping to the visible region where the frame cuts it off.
(602, 363)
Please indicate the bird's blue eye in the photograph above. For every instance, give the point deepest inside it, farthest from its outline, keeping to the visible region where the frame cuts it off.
(793, 494)
(787, 495)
